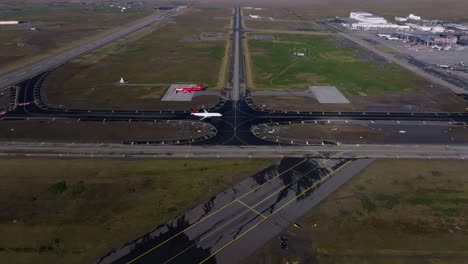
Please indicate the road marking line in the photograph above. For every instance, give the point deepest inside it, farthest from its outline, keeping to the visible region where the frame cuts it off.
(37, 67)
(250, 208)
(4, 80)
(210, 215)
(21, 73)
(277, 210)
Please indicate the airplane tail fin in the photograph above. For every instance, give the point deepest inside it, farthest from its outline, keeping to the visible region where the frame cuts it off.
(200, 86)
(192, 110)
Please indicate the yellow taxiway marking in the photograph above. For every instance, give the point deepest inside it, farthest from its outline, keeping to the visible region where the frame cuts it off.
(208, 216)
(277, 210)
(250, 208)
(241, 214)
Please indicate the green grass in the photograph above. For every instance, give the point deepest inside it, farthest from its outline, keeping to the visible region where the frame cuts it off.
(214, 52)
(275, 68)
(82, 207)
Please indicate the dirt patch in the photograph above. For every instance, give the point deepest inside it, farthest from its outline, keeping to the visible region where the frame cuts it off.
(93, 131)
(321, 132)
(459, 133)
(212, 36)
(312, 78)
(296, 104)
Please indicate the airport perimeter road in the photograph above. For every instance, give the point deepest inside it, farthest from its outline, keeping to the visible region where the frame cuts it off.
(32, 70)
(37, 149)
(232, 224)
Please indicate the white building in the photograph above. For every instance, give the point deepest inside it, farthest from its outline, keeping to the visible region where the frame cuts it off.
(9, 22)
(401, 19)
(437, 29)
(369, 21)
(367, 18)
(458, 26)
(362, 25)
(414, 17)
(254, 16)
(419, 27)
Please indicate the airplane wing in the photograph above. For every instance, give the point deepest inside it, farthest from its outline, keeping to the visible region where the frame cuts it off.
(203, 117)
(205, 111)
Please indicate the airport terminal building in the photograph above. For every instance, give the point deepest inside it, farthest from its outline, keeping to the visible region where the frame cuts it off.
(367, 20)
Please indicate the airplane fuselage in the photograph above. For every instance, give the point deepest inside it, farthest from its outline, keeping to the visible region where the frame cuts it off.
(197, 88)
(205, 114)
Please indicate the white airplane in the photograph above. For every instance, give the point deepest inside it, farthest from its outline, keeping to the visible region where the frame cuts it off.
(384, 35)
(205, 114)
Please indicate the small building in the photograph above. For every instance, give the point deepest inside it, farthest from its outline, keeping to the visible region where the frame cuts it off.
(414, 17)
(418, 27)
(9, 22)
(444, 39)
(401, 19)
(463, 42)
(437, 29)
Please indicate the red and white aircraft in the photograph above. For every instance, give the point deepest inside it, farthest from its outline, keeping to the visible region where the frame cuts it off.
(3, 113)
(199, 87)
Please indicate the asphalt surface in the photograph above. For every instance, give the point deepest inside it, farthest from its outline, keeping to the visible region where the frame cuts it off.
(239, 116)
(237, 56)
(232, 224)
(34, 69)
(82, 150)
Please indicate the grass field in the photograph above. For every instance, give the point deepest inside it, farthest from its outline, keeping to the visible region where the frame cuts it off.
(370, 82)
(395, 211)
(157, 56)
(59, 27)
(275, 68)
(72, 210)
